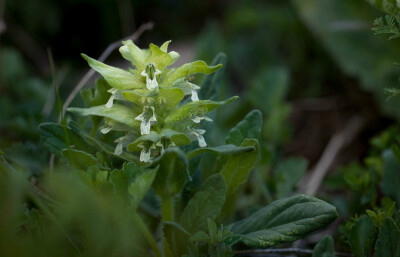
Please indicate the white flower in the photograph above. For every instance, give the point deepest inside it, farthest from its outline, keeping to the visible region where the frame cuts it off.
(188, 88)
(198, 119)
(194, 96)
(106, 129)
(118, 149)
(146, 122)
(198, 133)
(110, 102)
(151, 83)
(145, 154)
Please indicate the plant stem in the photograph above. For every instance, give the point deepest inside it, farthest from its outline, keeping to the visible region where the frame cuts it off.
(143, 228)
(167, 210)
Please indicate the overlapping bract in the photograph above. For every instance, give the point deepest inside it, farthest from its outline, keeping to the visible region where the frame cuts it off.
(153, 103)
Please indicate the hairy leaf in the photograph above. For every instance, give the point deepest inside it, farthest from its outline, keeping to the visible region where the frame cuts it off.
(117, 112)
(204, 106)
(388, 243)
(284, 221)
(249, 127)
(362, 236)
(205, 204)
(116, 77)
(324, 248)
(238, 166)
(187, 69)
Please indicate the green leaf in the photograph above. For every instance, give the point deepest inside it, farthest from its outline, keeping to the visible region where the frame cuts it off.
(388, 244)
(139, 187)
(54, 138)
(172, 172)
(324, 248)
(160, 58)
(134, 54)
(206, 204)
(249, 127)
(132, 182)
(116, 77)
(79, 159)
(199, 236)
(176, 137)
(362, 236)
(204, 106)
(284, 221)
(391, 175)
(117, 112)
(187, 69)
(223, 149)
(164, 46)
(169, 96)
(287, 174)
(238, 166)
(97, 145)
(211, 84)
(98, 95)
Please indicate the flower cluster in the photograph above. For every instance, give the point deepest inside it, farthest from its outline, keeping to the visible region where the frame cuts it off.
(155, 105)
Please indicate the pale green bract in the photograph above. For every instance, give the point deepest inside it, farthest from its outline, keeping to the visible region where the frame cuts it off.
(157, 107)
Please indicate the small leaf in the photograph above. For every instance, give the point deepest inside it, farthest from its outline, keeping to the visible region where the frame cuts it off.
(388, 243)
(249, 127)
(116, 77)
(361, 237)
(206, 204)
(199, 236)
(187, 69)
(324, 248)
(212, 228)
(284, 221)
(117, 112)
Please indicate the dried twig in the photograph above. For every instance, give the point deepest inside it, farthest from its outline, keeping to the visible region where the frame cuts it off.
(336, 143)
(285, 251)
(103, 56)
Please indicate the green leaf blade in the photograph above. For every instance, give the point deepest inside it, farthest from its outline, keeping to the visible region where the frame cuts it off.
(284, 221)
